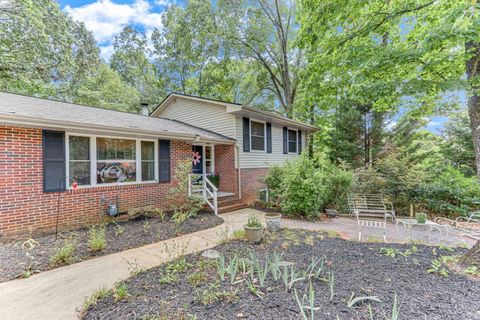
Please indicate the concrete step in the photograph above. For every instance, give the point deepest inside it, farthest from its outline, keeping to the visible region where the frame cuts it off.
(232, 207)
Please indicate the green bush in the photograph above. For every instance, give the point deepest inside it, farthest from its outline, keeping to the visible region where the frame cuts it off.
(421, 217)
(306, 186)
(97, 238)
(64, 254)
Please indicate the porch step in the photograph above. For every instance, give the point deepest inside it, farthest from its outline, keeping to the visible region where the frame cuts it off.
(228, 204)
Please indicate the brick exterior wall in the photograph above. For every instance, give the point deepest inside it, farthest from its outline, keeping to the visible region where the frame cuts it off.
(251, 182)
(25, 208)
(225, 167)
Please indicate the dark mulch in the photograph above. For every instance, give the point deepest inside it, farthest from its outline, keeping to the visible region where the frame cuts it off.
(120, 236)
(358, 268)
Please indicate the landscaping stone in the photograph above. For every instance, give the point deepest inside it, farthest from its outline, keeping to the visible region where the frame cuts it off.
(210, 254)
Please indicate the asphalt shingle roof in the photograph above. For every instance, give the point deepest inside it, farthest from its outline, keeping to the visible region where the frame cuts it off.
(50, 110)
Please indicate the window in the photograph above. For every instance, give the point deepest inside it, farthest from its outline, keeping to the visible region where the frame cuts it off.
(116, 160)
(209, 169)
(95, 160)
(257, 135)
(79, 160)
(148, 160)
(292, 141)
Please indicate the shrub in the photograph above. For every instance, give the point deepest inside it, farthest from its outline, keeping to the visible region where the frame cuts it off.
(64, 254)
(273, 181)
(194, 204)
(421, 217)
(97, 239)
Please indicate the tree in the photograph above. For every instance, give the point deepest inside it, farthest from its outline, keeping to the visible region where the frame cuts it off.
(265, 31)
(457, 147)
(131, 61)
(43, 50)
(107, 90)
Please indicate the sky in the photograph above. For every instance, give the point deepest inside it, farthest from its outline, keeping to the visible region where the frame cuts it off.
(106, 19)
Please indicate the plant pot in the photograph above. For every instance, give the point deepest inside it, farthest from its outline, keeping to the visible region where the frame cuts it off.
(254, 235)
(273, 220)
(331, 213)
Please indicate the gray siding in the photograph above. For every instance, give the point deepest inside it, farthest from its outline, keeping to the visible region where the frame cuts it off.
(201, 114)
(255, 159)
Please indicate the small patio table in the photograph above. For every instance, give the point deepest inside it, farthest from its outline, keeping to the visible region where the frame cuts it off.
(429, 225)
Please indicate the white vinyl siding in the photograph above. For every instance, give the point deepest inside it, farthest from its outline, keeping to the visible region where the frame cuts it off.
(201, 114)
(263, 159)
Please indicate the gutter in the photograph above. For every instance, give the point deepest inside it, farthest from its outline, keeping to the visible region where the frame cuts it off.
(53, 124)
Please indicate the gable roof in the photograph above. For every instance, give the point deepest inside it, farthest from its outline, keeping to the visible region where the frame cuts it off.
(20, 109)
(231, 107)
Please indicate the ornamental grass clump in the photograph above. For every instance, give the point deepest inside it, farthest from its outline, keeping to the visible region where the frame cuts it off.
(64, 254)
(97, 239)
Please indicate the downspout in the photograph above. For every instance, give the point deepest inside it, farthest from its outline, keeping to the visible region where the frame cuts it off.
(239, 172)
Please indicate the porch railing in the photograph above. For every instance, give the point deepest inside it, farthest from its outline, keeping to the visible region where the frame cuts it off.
(199, 184)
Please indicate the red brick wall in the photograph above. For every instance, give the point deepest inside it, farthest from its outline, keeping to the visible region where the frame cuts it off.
(25, 208)
(225, 168)
(251, 182)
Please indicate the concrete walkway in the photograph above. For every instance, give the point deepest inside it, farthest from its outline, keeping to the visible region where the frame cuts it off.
(59, 293)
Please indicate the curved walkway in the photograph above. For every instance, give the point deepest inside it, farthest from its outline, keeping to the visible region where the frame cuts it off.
(59, 293)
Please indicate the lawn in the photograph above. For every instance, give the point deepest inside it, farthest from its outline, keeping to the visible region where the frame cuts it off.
(27, 256)
(306, 271)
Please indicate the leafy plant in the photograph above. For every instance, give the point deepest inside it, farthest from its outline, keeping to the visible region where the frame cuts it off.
(275, 263)
(331, 284)
(253, 221)
(97, 238)
(390, 252)
(65, 253)
(471, 271)
(232, 269)
(290, 277)
(97, 295)
(120, 293)
(302, 304)
(353, 301)
(221, 268)
(437, 268)
(421, 217)
(251, 287)
(196, 278)
(239, 234)
(315, 268)
(395, 308)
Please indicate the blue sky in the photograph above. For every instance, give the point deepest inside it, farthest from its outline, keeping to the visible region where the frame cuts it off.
(106, 18)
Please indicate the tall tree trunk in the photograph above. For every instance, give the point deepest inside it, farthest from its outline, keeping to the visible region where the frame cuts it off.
(472, 257)
(473, 71)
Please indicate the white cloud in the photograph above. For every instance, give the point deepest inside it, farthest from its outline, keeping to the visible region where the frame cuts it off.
(162, 3)
(106, 18)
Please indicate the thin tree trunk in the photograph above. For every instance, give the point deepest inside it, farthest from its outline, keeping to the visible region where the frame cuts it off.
(473, 70)
(472, 256)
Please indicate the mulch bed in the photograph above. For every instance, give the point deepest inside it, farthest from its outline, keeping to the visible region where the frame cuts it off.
(119, 236)
(358, 267)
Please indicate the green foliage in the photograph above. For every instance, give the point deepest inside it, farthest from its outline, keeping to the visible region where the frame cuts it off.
(421, 217)
(120, 292)
(437, 268)
(273, 181)
(65, 253)
(306, 186)
(390, 252)
(253, 221)
(97, 238)
(359, 300)
(100, 293)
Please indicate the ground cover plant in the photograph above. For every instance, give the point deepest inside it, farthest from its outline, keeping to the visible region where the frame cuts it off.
(313, 277)
(24, 257)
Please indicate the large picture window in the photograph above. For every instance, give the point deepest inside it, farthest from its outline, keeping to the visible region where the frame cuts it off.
(103, 160)
(79, 160)
(292, 141)
(116, 160)
(257, 135)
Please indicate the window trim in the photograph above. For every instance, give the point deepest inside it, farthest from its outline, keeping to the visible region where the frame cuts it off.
(264, 136)
(93, 160)
(288, 141)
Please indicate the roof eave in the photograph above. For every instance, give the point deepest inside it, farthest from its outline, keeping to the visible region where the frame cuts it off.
(52, 124)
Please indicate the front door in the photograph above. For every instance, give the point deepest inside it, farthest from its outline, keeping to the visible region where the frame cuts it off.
(197, 159)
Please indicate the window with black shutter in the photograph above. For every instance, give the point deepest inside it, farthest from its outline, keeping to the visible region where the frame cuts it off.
(54, 175)
(246, 134)
(269, 137)
(164, 160)
(299, 141)
(285, 140)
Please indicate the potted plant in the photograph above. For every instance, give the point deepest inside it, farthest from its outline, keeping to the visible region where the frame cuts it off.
(421, 217)
(253, 229)
(273, 220)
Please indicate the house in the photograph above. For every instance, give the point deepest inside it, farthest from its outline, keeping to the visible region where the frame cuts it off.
(63, 164)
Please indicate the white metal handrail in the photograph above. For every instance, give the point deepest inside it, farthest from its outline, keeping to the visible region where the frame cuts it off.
(206, 188)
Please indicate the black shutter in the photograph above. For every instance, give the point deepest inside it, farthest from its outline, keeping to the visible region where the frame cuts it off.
(164, 160)
(54, 176)
(285, 140)
(269, 137)
(299, 141)
(246, 134)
